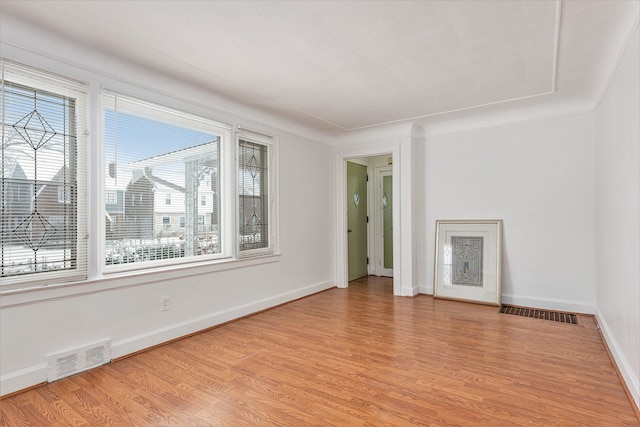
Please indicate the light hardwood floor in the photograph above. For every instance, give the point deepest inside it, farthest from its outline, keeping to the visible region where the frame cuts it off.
(350, 357)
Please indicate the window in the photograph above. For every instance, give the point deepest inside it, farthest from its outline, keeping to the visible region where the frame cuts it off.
(57, 220)
(151, 150)
(111, 197)
(136, 198)
(42, 176)
(253, 191)
(169, 179)
(64, 194)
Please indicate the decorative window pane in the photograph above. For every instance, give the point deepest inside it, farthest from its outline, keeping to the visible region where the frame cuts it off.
(167, 161)
(254, 201)
(39, 176)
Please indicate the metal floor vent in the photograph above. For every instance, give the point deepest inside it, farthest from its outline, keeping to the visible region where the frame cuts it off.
(556, 316)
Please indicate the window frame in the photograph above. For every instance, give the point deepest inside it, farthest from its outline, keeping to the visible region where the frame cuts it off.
(157, 111)
(270, 142)
(90, 206)
(64, 87)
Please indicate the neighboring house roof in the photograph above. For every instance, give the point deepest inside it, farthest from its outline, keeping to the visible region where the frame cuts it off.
(12, 168)
(198, 152)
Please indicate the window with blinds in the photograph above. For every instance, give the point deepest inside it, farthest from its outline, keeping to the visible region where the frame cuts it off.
(159, 166)
(173, 188)
(42, 176)
(253, 191)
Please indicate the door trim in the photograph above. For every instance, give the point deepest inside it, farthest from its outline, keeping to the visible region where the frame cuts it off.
(341, 212)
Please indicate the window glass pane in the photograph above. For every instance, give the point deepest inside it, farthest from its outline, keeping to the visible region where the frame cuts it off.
(38, 181)
(163, 166)
(253, 203)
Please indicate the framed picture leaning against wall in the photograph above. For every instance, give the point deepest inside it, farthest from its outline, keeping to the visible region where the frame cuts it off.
(468, 260)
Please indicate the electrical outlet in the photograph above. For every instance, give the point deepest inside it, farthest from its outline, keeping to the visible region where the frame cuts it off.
(164, 304)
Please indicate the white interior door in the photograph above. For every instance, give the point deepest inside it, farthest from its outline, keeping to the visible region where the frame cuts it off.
(383, 205)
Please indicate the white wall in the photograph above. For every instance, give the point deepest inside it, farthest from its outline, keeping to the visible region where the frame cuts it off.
(538, 177)
(127, 309)
(617, 136)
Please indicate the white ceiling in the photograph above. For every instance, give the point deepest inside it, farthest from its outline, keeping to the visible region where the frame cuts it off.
(338, 66)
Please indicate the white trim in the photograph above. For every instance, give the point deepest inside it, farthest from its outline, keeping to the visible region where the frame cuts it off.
(548, 303)
(631, 381)
(159, 336)
(22, 379)
(614, 69)
(271, 143)
(140, 107)
(400, 235)
(425, 289)
(158, 112)
(65, 87)
(37, 294)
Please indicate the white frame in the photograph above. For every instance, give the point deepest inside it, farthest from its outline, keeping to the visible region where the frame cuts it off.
(489, 292)
(61, 86)
(271, 143)
(158, 111)
(403, 277)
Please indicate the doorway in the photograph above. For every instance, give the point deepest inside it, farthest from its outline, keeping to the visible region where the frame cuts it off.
(369, 208)
(402, 277)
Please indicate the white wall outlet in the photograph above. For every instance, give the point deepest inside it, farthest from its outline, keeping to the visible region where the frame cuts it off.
(164, 303)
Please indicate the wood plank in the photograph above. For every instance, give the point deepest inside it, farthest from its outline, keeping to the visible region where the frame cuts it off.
(356, 356)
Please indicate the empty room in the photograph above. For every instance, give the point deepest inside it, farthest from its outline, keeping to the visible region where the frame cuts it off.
(336, 213)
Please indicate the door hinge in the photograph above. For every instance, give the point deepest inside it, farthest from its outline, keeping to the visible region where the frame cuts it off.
(367, 177)
(367, 219)
(367, 260)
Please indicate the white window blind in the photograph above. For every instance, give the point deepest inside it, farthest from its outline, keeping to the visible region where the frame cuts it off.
(43, 177)
(163, 161)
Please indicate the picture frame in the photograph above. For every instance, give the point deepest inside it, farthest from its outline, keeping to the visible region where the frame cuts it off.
(468, 261)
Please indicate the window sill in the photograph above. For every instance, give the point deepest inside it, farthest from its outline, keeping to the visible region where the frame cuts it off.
(111, 281)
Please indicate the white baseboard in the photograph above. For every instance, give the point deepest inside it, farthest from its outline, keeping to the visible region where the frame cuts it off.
(22, 379)
(424, 289)
(633, 383)
(410, 292)
(549, 304)
(25, 378)
(159, 336)
(526, 301)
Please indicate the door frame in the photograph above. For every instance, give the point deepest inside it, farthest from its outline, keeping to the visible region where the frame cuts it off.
(392, 149)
